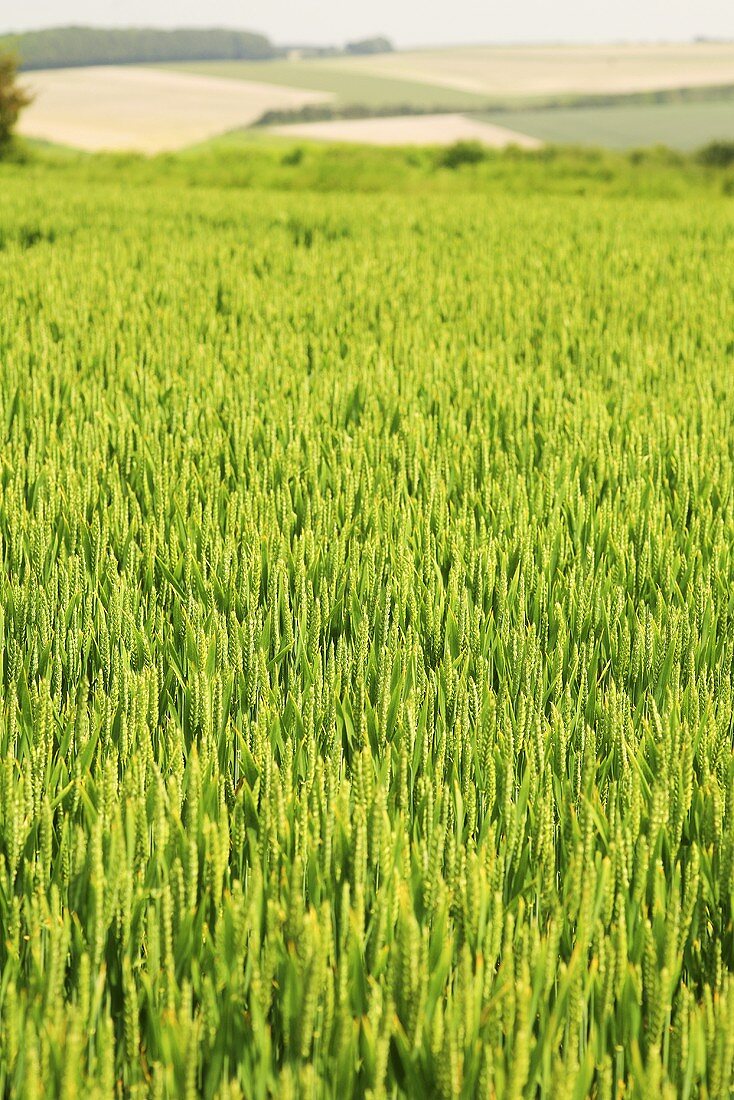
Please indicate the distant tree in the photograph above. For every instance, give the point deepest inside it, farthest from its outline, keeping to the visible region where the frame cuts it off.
(13, 98)
(379, 44)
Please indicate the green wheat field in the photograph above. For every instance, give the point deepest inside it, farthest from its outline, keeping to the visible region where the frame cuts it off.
(367, 627)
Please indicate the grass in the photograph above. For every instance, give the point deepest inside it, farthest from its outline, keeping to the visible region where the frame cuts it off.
(347, 87)
(366, 629)
(258, 160)
(684, 126)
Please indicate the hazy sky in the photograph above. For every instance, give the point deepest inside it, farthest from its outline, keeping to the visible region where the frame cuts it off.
(406, 21)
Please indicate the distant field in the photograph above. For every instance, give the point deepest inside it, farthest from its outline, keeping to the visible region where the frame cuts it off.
(547, 70)
(347, 85)
(153, 109)
(410, 130)
(145, 110)
(682, 126)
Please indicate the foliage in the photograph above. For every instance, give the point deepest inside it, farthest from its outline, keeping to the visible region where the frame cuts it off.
(367, 634)
(718, 154)
(243, 160)
(325, 112)
(462, 152)
(365, 46)
(61, 47)
(653, 97)
(13, 98)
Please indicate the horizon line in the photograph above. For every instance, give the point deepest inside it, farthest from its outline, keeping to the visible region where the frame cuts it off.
(399, 46)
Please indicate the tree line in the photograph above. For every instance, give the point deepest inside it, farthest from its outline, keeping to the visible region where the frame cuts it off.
(62, 47)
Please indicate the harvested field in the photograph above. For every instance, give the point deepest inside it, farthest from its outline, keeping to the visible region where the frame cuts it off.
(409, 130)
(128, 108)
(550, 70)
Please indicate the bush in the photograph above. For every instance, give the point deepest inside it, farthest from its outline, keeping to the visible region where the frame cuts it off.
(462, 152)
(293, 157)
(12, 98)
(718, 154)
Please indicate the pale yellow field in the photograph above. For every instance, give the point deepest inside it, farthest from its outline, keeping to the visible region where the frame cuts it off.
(408, 130)
(548, 70)
(121, 108)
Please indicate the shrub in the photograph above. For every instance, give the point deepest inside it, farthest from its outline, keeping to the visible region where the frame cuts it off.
(717, 154)
(462, 152)
(13, 98)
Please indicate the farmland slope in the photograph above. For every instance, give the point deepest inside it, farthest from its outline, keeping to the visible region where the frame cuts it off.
(145, 110)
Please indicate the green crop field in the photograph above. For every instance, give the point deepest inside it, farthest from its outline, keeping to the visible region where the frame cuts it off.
(367, 627)
(683, 126)
(348, 86)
